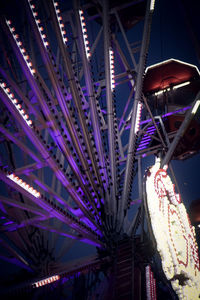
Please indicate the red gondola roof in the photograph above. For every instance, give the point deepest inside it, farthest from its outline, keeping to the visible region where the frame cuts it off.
(167, 73)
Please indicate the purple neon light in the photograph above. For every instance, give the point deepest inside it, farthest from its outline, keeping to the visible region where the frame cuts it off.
(144, 143)
(8, 223)
(151, 127)
(151, 131)
(140, 148)
(146, 135)
(145, 139)
(167, 114)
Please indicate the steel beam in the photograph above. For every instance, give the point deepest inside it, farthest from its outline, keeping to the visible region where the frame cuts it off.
(41, 148)
(21, 145)
(71, 222)
(74, 88)
(16, 254)
(125, 39)
(24, 206)
(16, 88)
(132, 135)
(180, 132)
(110, 109)
(24, 223)
(91, 95)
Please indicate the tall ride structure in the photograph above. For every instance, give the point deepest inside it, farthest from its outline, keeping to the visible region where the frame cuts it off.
(79, 114)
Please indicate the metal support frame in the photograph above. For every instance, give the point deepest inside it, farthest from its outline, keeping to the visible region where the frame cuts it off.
(132, 135)
(67, 115)
(110, 109)
(125, 39)
(52, 212)
(180, 133)
(91, 96)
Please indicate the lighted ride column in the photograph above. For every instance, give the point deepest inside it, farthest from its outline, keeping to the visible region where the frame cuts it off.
(174, 235)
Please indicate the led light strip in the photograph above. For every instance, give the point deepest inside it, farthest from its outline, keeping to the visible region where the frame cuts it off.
(181, 85)
(161, 92)
(85, 36)
(174, 88)
(38, 23)
(152, 5)
(20, 46)
(17, 105)
(112, 69)
(148, 288)
(150, 284)
(138, 116)
(196, 106)
(24, 185)
(46, 281)
(60, 22)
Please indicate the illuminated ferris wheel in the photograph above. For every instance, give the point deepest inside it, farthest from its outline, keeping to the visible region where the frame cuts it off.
(79, 114)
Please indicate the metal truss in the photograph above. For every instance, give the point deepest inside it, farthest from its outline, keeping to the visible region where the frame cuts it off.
(75, 127)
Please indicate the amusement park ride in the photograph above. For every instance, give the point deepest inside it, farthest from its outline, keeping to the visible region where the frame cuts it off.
(80, 112)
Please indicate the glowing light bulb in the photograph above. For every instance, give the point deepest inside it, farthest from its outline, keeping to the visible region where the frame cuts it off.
(46, 281)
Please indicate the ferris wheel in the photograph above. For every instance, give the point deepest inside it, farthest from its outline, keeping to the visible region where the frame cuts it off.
(80, 112)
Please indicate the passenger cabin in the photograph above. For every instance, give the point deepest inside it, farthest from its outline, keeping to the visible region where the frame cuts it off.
(170, 88)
